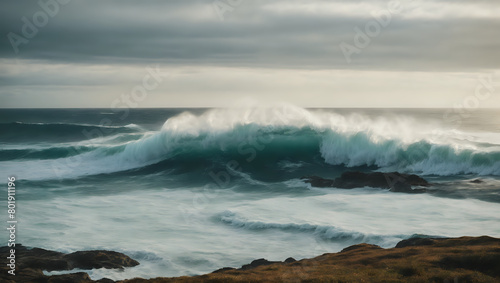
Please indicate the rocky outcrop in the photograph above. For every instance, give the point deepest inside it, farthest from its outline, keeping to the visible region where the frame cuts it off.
(256, 263)
(99, 259)
(414, 242)
(30, 263)
(396, 182)
(465, 259)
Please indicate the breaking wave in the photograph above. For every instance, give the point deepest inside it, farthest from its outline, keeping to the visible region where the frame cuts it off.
(277, 135)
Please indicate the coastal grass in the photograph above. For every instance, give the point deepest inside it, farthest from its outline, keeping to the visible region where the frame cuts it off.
(465, 259)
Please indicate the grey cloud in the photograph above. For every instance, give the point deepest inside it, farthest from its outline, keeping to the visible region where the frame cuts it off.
(190, 33)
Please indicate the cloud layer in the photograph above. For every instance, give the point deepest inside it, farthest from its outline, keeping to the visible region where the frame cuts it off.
(111, 41)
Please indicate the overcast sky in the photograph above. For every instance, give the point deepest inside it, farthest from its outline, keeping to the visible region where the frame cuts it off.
(201, 53)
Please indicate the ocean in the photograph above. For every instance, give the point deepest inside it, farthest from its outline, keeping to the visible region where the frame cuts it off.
(189, 191)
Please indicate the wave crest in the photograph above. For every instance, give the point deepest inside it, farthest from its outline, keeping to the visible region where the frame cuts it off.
(262, 137)
(323, 232)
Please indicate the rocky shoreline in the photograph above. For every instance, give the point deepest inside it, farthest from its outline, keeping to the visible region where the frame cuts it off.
(31, 262)
(464, 259)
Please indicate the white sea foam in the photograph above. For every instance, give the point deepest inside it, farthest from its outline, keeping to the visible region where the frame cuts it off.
(233, 229)
(392, 143)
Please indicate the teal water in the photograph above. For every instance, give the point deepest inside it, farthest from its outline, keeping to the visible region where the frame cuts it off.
(188, 191)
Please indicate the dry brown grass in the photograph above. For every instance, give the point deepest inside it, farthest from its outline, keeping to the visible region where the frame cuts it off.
(465, 259)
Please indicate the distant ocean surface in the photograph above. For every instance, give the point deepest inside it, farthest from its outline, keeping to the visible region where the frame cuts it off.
(189, 191)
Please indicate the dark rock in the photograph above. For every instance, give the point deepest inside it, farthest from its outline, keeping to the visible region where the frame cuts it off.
(394, 181)
(258, 262)
(78, 277)
(99, 259)
(415, 242)
(30, 263)
(105, 280)
(449, 242)
(318, 182)
(22, 275)
(477, 181)
(360, 246)
(44, 264)
(50, 260)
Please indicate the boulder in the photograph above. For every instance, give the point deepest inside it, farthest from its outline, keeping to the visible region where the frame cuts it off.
(99, 259)
(414, 242)
(257, 263)
(254, 264)
(30, 263)
(396, 182)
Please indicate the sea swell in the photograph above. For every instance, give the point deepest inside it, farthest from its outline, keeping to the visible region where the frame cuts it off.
(58, 132)
(259, 139)
(322, 232)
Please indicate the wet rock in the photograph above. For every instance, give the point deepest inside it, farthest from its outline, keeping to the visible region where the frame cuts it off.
(99, 259)
(413, 242)
(30, 263)
(396, 182)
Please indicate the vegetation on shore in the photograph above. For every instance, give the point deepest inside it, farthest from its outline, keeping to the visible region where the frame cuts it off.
(465, 259)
